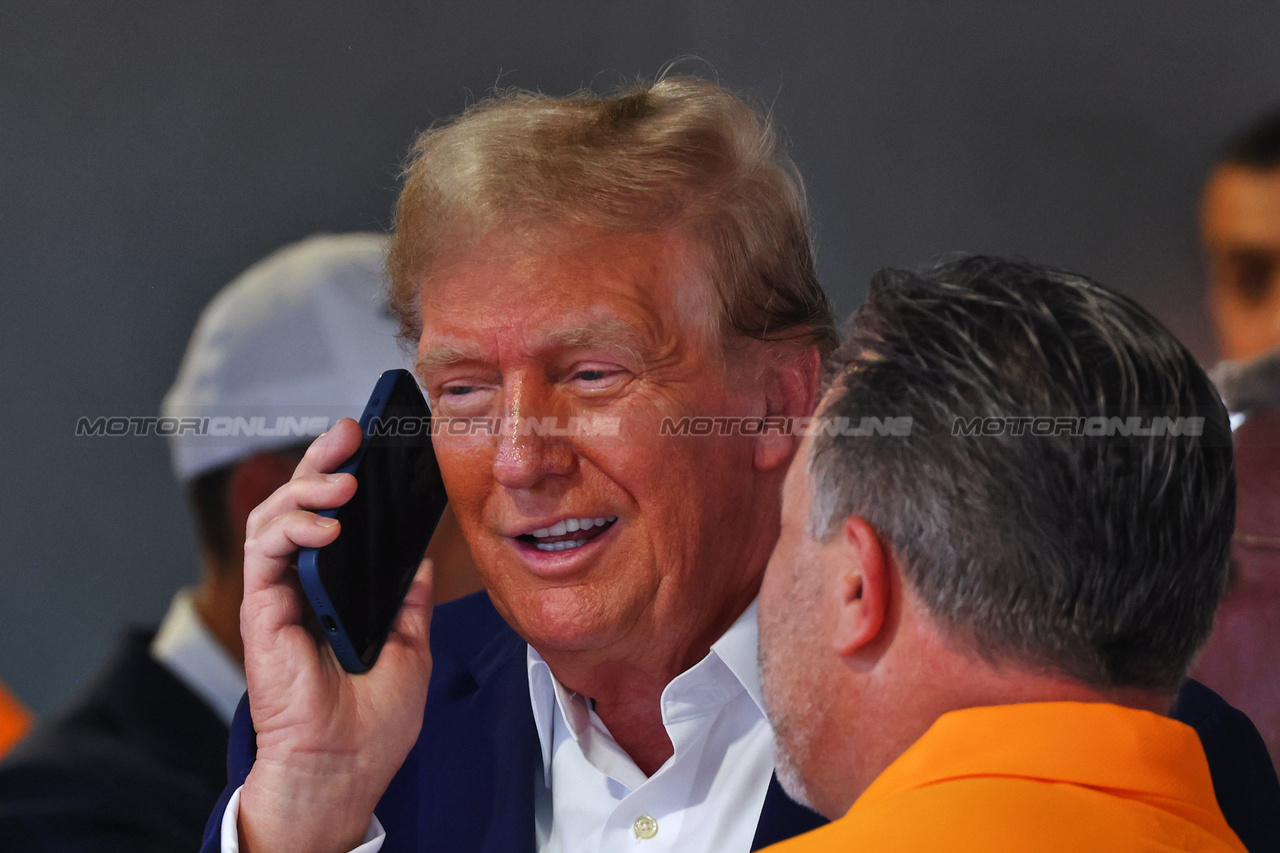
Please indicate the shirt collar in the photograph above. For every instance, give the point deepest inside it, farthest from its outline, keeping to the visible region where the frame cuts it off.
(729, 668)
(187, 649)
(738, 648)
(1093, 744)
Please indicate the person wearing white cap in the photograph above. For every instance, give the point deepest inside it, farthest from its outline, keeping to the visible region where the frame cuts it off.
(294, 343)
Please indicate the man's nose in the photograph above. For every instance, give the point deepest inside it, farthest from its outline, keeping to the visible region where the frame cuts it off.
(529, 449)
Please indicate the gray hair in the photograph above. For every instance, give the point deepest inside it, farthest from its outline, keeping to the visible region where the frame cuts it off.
(1099, 557)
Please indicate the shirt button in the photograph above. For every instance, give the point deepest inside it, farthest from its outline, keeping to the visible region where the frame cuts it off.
(645, 827)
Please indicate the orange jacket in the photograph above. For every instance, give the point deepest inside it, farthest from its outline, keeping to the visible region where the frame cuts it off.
(1051, 776)
(14, 720)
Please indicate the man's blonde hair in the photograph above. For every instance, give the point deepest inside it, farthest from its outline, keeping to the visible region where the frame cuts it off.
(680, 155)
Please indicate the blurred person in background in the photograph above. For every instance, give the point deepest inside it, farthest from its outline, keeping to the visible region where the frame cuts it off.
(1240, 232)
(139, 759)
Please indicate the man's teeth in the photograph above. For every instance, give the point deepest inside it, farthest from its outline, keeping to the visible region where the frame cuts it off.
(570, 525)
(560, 546)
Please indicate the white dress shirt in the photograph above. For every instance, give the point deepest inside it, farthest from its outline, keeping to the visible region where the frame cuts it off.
(706, 797)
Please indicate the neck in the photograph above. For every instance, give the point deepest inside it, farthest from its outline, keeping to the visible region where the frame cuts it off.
(633, 715)
(217, 605)
(940, 677)
(627, 692)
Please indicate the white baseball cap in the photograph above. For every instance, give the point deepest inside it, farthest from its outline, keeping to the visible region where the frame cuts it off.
(296, 342)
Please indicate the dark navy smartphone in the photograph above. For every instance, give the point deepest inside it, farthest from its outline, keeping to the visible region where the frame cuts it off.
(357, 582)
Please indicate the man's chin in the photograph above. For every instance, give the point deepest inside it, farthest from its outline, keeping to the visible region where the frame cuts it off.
(561, 619)
(789, 777)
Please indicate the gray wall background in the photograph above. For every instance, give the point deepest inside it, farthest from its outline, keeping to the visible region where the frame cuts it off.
(151, 151)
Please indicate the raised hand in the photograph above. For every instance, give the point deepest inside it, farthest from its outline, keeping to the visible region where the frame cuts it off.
(328, 742)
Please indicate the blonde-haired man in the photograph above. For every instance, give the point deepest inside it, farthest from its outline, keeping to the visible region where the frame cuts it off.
(580, 277)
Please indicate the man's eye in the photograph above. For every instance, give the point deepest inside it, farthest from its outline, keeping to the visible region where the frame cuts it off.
(1251, 273)
(457, 390)
(597, 378)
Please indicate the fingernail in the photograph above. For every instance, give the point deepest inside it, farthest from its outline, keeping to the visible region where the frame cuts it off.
(334, 478)
(326, 521)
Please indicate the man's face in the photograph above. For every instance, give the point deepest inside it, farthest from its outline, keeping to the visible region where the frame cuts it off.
(1240, 229)
(795, 617)
(611, 547)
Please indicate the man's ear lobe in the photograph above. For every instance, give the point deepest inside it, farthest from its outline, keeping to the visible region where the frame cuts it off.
(791, 391)
(862, 585)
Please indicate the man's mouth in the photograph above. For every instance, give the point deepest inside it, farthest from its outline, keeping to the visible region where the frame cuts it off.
(568, 533)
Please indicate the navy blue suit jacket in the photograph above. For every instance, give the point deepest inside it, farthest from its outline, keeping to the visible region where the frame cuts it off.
(468, 784)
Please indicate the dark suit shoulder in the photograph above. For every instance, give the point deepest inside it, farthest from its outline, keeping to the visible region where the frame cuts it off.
(135, 762)
(1244, 779)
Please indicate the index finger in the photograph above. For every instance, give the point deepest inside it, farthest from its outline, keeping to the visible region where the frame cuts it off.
(330, 450)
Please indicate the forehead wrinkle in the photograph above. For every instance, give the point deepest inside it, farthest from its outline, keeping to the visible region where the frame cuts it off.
(642, 325)
(606, 334)
(614, 334)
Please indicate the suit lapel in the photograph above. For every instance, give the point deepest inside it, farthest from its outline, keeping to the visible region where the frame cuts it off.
(468, 783)
(502, 675)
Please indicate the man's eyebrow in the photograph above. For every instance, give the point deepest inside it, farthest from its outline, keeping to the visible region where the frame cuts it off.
(440, 356)
(607, 334)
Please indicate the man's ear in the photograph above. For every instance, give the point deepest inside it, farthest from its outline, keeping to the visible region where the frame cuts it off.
(862, 585)
(791, 391)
